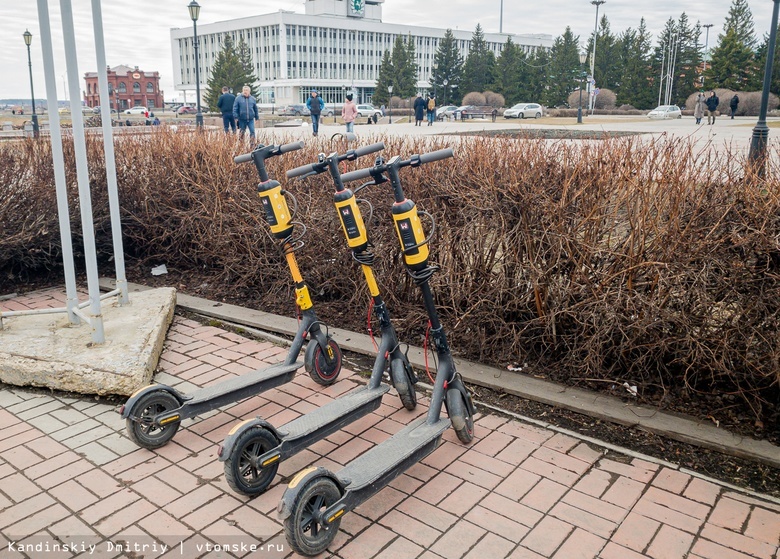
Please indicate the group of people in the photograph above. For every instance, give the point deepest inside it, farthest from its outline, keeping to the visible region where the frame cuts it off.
(241, 111)
(709, 106)
(424, 107)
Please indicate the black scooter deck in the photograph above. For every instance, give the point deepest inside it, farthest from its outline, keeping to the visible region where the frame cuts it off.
(243, 386)
(386, 461)
(334, 415)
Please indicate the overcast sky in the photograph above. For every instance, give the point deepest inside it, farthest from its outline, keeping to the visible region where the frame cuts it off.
(138, 32)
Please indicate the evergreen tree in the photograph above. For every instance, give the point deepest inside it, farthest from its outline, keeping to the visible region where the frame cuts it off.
(564, 70)
(245, 55)
(447, 65)
(732, 65)
(538, 68)
(758, 82)
(403, 70)
(689, 58)
(740, 19)
(608, 70)
(479, 68)
(510, 73)
(384, 79)
(635, 87)
(226, 71)
(411, 69)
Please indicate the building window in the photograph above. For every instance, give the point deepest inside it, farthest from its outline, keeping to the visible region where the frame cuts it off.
(150, 87)
(136, 87)
(122, 87)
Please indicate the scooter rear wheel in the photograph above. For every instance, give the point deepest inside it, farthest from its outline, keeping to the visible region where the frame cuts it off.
(144, 433)
(403, 380)
(317, 366)
(242, 471)
(462, 420)
(304, 529)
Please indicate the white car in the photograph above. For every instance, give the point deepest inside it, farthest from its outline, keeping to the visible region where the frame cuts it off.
(524, 110)
(368, 110)
(665, 111)
(136, 111)
(445, 111)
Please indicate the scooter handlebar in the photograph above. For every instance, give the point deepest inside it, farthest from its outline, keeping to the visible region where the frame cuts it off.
(373, 148)
(310, 168)
(356, 175)
(436, 155)
(284, 148)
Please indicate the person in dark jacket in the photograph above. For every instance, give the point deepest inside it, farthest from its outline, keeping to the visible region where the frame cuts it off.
(419, 110)
(315, 104)
(225, 105)
(733, 104)
(245, 112)
(712, 103)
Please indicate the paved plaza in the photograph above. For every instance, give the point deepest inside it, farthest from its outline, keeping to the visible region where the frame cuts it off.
(73, 485)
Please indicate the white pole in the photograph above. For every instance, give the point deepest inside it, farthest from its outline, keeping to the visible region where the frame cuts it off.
(82, 172)
(108, 147)
(596, 3)
(58, 160)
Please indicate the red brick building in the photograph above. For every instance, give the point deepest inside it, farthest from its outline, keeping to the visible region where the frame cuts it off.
(128, 87)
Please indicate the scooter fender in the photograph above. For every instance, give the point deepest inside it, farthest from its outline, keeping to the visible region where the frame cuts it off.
(131, 401)
(229, 444)
(285, 506)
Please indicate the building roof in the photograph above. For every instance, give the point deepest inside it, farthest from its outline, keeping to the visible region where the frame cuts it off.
(123, 70)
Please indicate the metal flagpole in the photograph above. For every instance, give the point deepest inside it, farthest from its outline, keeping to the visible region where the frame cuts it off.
(58, 159)
(95, 316)
(108, 146)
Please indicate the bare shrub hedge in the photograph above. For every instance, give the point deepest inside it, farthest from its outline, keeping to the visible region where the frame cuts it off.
(633, 259)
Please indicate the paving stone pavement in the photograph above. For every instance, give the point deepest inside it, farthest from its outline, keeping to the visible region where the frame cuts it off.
(70, 479)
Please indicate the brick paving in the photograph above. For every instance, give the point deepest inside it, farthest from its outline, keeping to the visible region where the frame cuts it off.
(70, 479)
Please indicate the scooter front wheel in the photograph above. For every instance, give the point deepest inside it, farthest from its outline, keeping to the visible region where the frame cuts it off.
(243, 471)
(304, 528)
(140, 425)
(460, 415)
(317, 365)
(403, 379)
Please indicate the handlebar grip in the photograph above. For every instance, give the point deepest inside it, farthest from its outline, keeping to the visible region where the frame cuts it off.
(243, 158)
(302, 170)
(285, 148)
(373, 148)
(436, 155)
(356, 175)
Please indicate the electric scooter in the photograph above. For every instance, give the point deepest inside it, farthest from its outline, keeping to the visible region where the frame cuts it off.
(316, 499)
(253, 449)
(153, 413)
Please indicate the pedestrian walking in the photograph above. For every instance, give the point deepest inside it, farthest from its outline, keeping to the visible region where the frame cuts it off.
(382, 109)
(245, 112)
(733, 104)
(431, 109)
(699, 107)
(315, 104)
(225, 105)
(419, 110)
(712, 106)
(349, 113)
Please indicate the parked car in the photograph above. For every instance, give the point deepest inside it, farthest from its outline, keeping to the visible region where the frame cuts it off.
(459, 111)
(298, 109)
(186, 110)
(366, 110)
(665, 111)
(446, 111)
(136, 111)
(96, 110)
(524, 110)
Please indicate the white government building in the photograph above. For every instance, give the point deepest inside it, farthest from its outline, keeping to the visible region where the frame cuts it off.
(335, 46)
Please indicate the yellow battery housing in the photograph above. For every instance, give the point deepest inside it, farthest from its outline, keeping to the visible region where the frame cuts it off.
(352, 223)
(277, 213)
(410, 234)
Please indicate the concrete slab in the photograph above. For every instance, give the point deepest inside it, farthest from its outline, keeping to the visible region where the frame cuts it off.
(47, 351)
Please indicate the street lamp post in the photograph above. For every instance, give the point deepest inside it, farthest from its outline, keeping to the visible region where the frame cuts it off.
(194, 9)
(758, 143)
(596, 3)
(706, 48)
(28, 41)
(445, 82)
(583, 58)
(390, 103)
